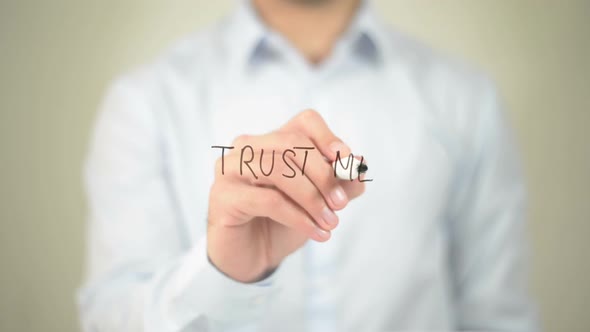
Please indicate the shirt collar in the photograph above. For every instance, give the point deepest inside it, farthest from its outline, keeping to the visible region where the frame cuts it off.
(248, 36)
(367, 34)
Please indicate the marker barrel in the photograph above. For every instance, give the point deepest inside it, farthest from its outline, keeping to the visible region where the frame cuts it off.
(345, 171)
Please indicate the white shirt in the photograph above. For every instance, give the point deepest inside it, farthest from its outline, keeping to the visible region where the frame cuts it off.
(435, 243)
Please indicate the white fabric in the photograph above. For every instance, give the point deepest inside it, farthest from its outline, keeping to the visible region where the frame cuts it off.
(435, 243)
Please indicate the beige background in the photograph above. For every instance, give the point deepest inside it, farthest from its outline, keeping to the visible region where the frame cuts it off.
(57, 56)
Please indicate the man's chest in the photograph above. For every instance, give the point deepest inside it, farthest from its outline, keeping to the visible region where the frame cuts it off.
(382, 120)
(395, 232)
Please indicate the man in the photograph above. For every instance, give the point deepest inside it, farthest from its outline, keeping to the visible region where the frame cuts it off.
(189, 229)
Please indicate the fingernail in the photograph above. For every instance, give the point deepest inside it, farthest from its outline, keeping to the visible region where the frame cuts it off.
(339, 147)
(338, 196)
(322, 234)
(329, 216)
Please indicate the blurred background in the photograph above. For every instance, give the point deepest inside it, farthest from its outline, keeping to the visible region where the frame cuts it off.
(57, 57)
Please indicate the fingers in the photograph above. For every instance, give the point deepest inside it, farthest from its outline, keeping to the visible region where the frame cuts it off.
(288, 177)
(310, 163)
(311, 124)
(244, 202)
(299, 189)
(353, 189)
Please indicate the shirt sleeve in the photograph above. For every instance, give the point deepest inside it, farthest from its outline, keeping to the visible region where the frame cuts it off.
(489, 245)
(142, 273)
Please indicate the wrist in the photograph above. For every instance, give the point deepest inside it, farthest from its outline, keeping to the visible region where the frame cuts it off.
(240, 269)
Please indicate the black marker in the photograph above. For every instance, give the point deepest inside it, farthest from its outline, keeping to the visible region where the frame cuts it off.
(349, 170)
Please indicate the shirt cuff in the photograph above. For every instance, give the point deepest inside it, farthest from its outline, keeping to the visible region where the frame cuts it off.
(199, 288)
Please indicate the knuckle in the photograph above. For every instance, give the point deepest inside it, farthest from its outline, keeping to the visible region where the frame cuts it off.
(280, 169)
(272, 199)
(260, 182)
(241, 140)
(222, 221)
(308, 225)
(327, 182)
(290, 139)
(310, 115)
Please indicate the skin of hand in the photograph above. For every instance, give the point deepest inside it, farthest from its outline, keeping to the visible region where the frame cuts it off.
(253, 224)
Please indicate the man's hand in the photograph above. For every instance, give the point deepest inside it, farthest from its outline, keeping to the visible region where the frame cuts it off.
(254, 224)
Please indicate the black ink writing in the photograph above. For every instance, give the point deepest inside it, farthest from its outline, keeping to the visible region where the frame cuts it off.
(247, 163)
(306, 148)
(222, 155)
(286, 163)
(272, 166)
(247, 156)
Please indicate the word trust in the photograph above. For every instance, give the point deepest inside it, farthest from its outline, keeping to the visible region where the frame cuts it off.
(353, 166)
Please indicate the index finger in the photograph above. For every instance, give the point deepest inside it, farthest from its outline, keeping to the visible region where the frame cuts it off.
(311, 124)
